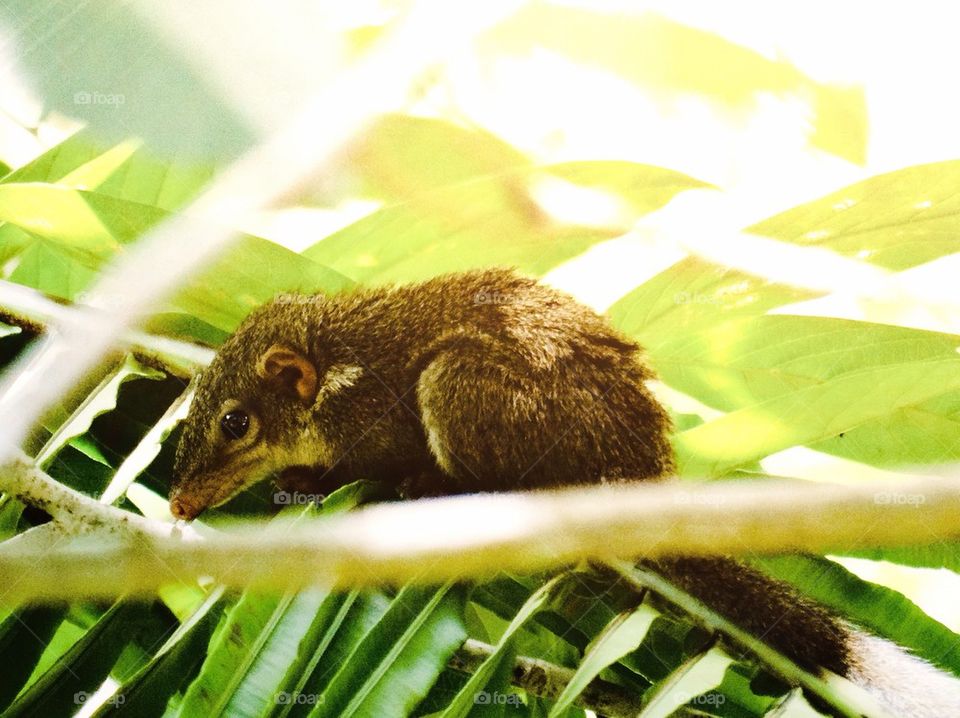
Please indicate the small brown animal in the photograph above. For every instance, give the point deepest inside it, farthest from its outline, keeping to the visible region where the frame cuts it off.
(480, 381)
(483, 381)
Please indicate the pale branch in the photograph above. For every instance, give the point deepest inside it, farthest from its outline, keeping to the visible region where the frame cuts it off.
(547, 680)
(480, 535)
(175, 251)
(75, 512)
(30, 309)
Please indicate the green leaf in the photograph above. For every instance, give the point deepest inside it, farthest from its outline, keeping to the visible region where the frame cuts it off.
(81, 153)
(51, 269)
(621, 636)
(147, 692)
(693, 295)
(90, 227)
(466, 699)
(397, 662)
(799, 380)
(250, 654)
(101, 400)
(881, 609)
(10, 512)
(487, 221)
(348, 630)
(575, 617)
(896, 220)
(645, 188)
(7, 330)
(126, 171)
(90, 224)
(926, 432)
(315, 644)
(79, 672)
(695, 677)
(640, 577)
(943, 554)
(251, 271)
(672, 62)
(25, 633)
(402, 156)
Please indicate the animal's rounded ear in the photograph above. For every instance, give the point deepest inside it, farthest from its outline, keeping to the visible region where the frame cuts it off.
(291, 369)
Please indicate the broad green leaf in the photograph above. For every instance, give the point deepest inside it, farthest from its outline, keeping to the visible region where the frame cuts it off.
(401, 156)
(143, 178)
(694, 678)
(90, 227)
(671, 60)
(467, 698)
(645, 188)
(25, 634)
(693, 295)
(576, 617)
(181, 325)
(147, 449)
(13, 241)
(397, 662)
(842, 121)
(801, 380)
(620, 637)
(807, 416)
(927, 432)
(749, 360)
(897, 220)
(126, 171)
(489, 220)
(251, 271)
(51, 269)
(331, 616)
(10, 511)
(80, 153)
(943, 554)
(878, 608)
(737, 694)
(349, 630)
(101, 400)
(79, 672)
(250, 654)
(147, 692)
(88, 448)
(89, 224)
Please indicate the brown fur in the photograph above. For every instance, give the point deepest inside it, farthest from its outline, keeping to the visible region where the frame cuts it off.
(481, 381)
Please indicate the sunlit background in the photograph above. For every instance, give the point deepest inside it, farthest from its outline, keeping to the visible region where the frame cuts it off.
(771, 103)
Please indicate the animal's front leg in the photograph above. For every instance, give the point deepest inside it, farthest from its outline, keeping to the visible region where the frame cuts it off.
(427, 484)
(297, 484)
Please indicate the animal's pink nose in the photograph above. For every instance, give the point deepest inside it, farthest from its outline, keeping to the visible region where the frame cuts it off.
(181, 508)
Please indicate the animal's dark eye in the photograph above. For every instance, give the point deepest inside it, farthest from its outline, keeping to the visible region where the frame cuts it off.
(235, 424)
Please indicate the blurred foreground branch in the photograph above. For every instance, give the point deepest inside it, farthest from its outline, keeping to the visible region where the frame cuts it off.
(28, 308)
(480, 535)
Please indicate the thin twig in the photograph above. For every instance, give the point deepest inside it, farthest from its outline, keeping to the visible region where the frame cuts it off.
(547, 680)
